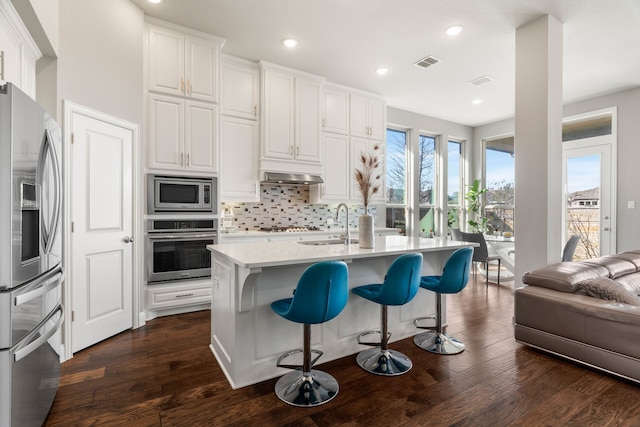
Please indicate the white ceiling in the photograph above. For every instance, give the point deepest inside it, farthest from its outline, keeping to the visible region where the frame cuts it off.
(346, 40)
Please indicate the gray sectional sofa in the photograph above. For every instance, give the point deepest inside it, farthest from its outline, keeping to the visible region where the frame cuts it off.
(586, 311)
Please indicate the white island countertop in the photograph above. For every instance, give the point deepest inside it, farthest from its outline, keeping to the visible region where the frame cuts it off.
(272, 254)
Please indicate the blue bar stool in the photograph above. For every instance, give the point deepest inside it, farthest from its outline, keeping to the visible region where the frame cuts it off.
(455, 276)
(400, 285)
(321, 294)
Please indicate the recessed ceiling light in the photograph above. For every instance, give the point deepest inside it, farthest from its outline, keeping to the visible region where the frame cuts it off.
(382, 71)
(290, 43)
(453, 30)
(476, 101)
(155, 1)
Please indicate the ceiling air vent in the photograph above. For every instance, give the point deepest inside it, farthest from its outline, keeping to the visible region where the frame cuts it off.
(427, 62)
(480, 80)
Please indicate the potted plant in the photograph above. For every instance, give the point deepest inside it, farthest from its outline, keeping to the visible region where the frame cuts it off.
(477, 222)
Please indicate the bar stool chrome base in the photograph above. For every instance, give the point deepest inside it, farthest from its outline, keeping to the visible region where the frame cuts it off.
(383, 362)
(437, 342)
(306, 389)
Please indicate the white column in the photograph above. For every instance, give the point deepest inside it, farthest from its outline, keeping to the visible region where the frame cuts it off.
(538, 144)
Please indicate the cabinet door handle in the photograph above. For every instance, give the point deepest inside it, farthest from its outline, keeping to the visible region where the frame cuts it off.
(291, 150)
(189, 86)
(181, 84)
(184, 295)
(324, 122)
(188, 156)
(255, 111)
(297, 150)
(181, 159)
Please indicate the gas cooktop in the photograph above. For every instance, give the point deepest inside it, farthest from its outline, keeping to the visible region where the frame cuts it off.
(292, 229)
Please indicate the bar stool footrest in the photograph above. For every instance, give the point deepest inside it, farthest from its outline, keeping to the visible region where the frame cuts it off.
(370, 343)
(279, 363)
(420, 319)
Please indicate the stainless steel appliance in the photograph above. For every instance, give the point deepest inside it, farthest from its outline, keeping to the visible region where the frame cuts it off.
(177, 249)
(171, 194)
(31, 274)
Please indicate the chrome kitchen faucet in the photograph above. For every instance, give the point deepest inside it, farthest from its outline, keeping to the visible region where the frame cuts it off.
(347, 239)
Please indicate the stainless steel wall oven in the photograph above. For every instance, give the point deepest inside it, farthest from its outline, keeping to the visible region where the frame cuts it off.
(176, 249)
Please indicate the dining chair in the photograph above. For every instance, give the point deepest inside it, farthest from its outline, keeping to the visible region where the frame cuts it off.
(481, 254)
(570, 248)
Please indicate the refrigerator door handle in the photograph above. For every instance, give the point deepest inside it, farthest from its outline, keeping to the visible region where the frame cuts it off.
(32, 346)
(48, 148)
(28, 296)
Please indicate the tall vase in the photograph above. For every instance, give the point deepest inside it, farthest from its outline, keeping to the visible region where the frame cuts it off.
(365, 231)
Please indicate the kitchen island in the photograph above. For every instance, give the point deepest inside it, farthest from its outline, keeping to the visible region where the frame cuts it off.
(247, 337)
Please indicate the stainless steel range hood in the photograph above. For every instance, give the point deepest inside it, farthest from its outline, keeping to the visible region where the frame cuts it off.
(292, 178)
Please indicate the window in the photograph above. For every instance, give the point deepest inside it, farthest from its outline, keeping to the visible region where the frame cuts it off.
(396, 167)
(500, 183)
(454, 183)
(427, 181)
(586, 128)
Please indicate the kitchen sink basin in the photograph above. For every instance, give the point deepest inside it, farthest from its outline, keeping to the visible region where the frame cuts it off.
(325, 242)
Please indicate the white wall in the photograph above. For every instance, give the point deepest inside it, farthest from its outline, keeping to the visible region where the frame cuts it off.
(100, 61)
(47, 12)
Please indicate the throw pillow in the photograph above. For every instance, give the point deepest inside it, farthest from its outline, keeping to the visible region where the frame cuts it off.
(607, 289)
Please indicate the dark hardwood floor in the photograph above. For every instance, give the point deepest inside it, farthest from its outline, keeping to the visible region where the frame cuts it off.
(164, 374)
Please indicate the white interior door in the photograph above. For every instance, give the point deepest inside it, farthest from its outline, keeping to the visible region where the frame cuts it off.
(588, 193)
(102, 230)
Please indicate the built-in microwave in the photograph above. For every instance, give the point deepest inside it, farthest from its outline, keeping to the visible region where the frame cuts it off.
(168, 194)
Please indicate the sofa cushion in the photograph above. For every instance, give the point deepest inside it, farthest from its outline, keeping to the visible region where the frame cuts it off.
(617, 267)
(633, 257)
(607, 289)
(630, 282)
(564, 276)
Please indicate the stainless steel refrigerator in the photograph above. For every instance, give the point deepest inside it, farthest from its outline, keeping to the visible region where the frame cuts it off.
(31, 274)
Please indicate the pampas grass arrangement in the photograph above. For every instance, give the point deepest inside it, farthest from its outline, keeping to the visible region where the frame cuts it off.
(368, 176)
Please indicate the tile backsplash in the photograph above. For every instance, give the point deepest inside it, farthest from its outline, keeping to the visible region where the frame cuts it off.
(287, 206)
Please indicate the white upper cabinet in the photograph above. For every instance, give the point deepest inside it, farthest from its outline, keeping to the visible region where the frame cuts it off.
(18, 51)
(183, 65)
(278, 114)
(307, 120)
(290, 117)
(240, 87)
(337, 171)
(335, 110)
(368, 117)
(184, 134)
(239, 160)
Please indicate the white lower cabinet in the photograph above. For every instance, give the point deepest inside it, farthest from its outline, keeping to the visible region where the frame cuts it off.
(178, 294)
(239, 160)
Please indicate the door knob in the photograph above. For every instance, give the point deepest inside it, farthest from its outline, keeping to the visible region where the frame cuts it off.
(128, 239)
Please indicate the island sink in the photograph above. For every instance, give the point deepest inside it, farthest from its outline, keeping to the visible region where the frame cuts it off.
(325, 242)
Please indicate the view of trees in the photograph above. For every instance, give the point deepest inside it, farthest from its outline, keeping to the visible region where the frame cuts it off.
(396, 166)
